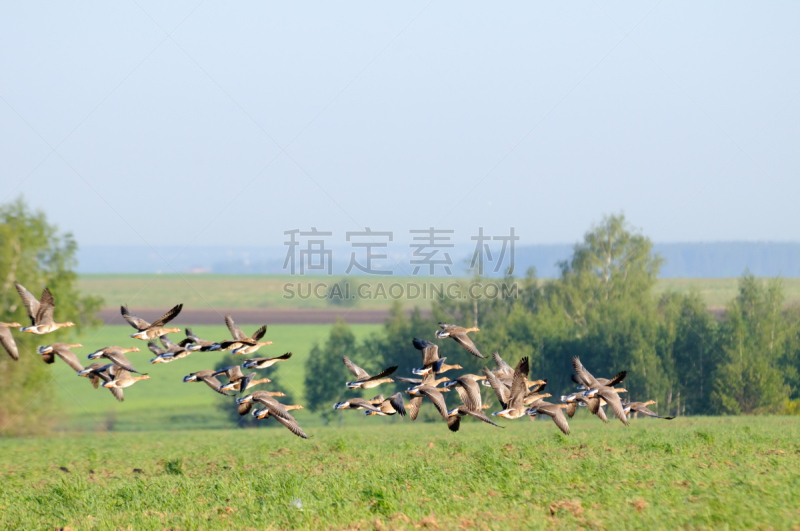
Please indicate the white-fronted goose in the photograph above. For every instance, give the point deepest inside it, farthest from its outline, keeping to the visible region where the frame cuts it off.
(206, 376)
(357, 403)
(364, 380)
(575, 399)
(288, 421)
(263, 363)
(192, 343)
(468, 391)
(7, 340)
(62, 350)
(554, 411)
(454, 417)
(612, 399)
(432, 394)
(503, 370)
(169, 353)
(40, 311)
(459, 333)
(641, 407)
(585, 378)
(152, 330)
(388, 406)
(117, 356)
(240, 339)
(124, 379)
(237, 380)
(262, 397)
(514, 404)
(103, 371)
(428, 379)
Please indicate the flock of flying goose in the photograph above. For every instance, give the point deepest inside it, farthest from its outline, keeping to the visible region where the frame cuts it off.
(518, 395)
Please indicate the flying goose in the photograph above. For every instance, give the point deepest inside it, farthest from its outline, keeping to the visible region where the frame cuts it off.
(514, 403)
(459, 333)
(554, 411)
(503, 370)
(584, 378)
(389, 406)
(238, 381)
(103, 371)
(432, 394)
(575, 399)
(262, 397)
(62, 350)
(428, 379)
(263, 363)
(124, 379)
(152, 330)
(240, 340)
(641, 407)
(206, 376)
(454, 417)
(288, 421)
(612, 399)
(192, 343)
(357, 403)
(40, 311)
(430, 355)
(470, 393)
(364, 380)
(171, 351)
(7, 340)
(116, 355)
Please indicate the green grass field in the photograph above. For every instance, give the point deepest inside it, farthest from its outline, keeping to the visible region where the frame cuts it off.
(264, 291)
(699, 473)
(164, 401)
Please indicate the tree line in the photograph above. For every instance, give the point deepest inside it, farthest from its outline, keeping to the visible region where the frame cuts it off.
(603, 308)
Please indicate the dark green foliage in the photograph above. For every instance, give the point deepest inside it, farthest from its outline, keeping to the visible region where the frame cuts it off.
(34, 253)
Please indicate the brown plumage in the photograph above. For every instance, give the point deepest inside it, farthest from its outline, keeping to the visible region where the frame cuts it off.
(40, 311)
(62, 350)
(7, 340)
(152, 330)
(459, 334)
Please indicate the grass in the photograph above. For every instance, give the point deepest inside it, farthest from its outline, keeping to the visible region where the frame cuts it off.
(267, 291)
(719, 473)
(164, 400)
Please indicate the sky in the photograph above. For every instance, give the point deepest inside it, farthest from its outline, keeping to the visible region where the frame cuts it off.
(204, 123)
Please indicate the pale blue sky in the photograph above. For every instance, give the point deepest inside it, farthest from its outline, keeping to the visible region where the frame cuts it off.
(253, 118)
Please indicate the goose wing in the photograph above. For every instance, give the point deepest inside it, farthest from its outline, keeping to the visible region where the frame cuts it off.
(7, 340)
(645, 411)
(616, 379)
(47, 305)
(167, 317)
(214, 384)
(503, 368)
(584, 376)
(292, 426)
(571, 408)
(236, 332)
(261, 332)
(413, 407)
(357, 371)
(454, 422)
(469, 392)
(31, 303)
(119, 359)
(463, 339)
(501, 391)
(383, 374)
(137, 322)
(430, 351)
(69, 357)
(436, 397)
(555, 413)
(409, 380)
(480, 415)
(518, 387)
(396, 401)
(614, 402)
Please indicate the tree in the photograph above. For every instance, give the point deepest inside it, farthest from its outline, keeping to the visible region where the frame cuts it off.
(326, 375)
(33, 252)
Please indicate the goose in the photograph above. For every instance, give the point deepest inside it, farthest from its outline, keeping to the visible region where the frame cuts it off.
(263, 363)
(240, 339)
(116, 355)
(530, 398)
(641, 407)
(575, 399)
(192, 343)
(459, 333)
(162, 356)
(62, 350)
(103, 371)
(152, 330)
(470, 393)
(7, 340)
(514, 403)
(432, 394)
(364, 380)
(454, 417)
(206, 376)
(502, 387)
(428, 379)
(169, 353)
(430, 355)
(389, 406)
(124, 379)
(357, 403)
(611, 397)
(263, 397)
(40, 311)
(238, 381)
(503, 370)
(554, 411)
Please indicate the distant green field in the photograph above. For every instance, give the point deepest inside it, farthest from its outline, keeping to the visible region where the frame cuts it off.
(265, 291)
(691, 473)
(164, 401)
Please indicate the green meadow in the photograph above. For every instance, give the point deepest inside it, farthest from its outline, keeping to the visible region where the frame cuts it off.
(698, 473)
(164, 401)
(267, 291)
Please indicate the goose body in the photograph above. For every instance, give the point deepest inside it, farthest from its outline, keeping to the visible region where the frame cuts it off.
(459, 334)
(514, 399)
(389, 406)
(641, 407)
(62, 350)
(192, 343)
(363, 379)
(105, 372)
(240, 339)
(116, 355)
(207, 377)
(124, 379)
(263, 363)
(554, 411)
